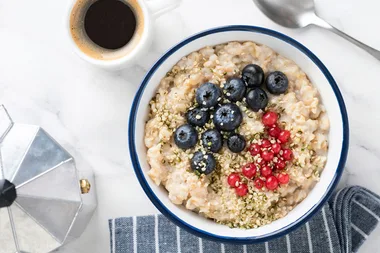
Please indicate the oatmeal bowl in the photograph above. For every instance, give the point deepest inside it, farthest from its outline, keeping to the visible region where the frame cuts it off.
(238, 134)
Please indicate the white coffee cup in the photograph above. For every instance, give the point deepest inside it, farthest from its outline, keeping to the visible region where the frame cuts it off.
(145, 11)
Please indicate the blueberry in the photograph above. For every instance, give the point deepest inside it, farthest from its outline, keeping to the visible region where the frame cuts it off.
(212, 140)
(185, 136)
(197, 117)
(208, 95)
(234, 89)
(227, 117)
(277, 82)
(203, 163)
(253, 75)
(236, 143)
(257, 99)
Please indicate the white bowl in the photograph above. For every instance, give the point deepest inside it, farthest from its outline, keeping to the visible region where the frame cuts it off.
(338, 138)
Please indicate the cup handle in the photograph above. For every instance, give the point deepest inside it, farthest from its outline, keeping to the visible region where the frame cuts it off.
(159, 7)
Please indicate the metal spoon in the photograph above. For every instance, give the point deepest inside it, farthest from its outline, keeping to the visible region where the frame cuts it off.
(301, 13)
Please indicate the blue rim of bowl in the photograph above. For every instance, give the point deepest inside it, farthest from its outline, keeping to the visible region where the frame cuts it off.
(228, 239)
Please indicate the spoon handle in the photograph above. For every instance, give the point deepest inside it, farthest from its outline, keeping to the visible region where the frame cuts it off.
(322, 23)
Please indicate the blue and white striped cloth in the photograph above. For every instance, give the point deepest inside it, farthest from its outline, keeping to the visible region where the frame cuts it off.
(341, 226)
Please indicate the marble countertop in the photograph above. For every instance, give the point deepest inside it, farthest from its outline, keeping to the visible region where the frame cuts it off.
(86, 109)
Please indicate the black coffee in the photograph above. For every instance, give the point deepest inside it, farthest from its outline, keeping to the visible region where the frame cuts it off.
(110, 24)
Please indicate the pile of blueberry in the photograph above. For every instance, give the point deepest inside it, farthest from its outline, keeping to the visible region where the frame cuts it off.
(225, 114)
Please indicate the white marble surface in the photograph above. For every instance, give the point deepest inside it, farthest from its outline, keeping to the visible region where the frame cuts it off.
(43, 82)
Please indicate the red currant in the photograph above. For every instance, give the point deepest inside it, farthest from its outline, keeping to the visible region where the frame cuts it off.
(283, 178)
(249, 170)
(288, 154)
(280, 164)
(254, 149)
(267, 155)
(258, 183)
(265, 143)
(276, 148)
(242, 190)
(271, 183)
(266, 171)
(269, 118)
(233, 180)
(261, 161)
(284, 136)
(274, 131)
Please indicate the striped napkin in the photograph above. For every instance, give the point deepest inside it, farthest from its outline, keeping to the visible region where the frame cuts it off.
(342, 225)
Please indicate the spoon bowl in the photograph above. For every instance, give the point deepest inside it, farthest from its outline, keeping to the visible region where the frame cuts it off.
(301, 13)
(288, 13)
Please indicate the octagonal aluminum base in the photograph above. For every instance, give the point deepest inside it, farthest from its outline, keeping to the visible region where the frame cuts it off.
(50, 209)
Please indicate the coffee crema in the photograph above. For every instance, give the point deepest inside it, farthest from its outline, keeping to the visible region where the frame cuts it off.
(106, 29)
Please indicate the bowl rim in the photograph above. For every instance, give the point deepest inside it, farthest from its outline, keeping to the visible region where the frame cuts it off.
(230, 239)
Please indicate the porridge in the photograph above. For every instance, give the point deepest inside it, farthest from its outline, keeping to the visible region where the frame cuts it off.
(237, 133)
